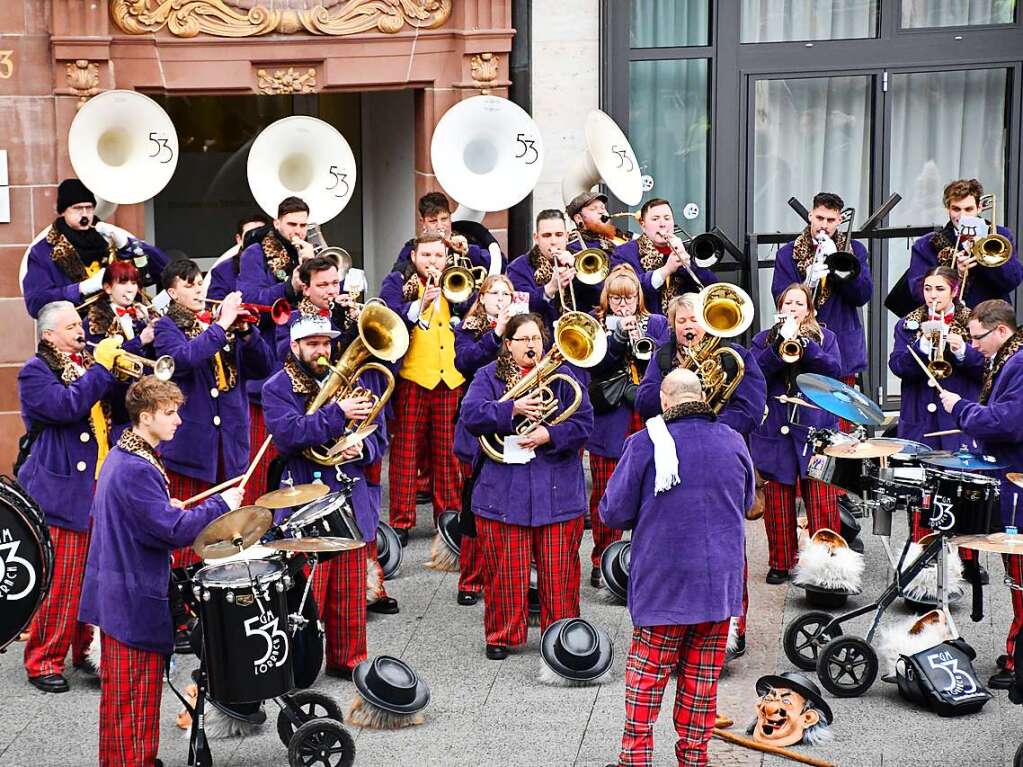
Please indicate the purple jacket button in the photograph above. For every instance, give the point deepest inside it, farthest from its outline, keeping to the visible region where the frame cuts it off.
(81, 466)
(84, 436)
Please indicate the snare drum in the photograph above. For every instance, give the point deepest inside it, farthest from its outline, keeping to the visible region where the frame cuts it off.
(849, 474)
(329, 517)
(26, 560)
(243, 608)
(971, 501)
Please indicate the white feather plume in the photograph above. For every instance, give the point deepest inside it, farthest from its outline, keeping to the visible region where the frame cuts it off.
(374, 581)
(442, 558)
(897, 640)
(362, 713)
(551, 677)
(924, 587)
(827, 567)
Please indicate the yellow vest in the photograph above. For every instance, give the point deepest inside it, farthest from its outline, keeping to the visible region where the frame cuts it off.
(431, 353)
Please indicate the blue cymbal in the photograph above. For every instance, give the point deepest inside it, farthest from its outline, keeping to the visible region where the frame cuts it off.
(962, 460)
(909, 447)
(839, 399)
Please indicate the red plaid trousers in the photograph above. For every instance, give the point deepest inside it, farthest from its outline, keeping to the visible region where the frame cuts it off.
(129, 705)
(420, 412)
(1014, 570)
(844, 425)
(696, 653)
(741, 622)
(183, 487)
(780, 517)
(507, 552)
(470, 556)
(339, 588)
(601, 469)
(257, 434)
(55, 627)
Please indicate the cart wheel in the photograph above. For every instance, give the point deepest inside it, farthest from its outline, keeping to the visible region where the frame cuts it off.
(321, 742)
(805, 636)
(311, 705)
(847, 666)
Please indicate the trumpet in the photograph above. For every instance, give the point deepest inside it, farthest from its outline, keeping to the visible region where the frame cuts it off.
(789, 349)
(125, 365)
(592, 265)
(460, 278)
(280, 311)
(937, 364)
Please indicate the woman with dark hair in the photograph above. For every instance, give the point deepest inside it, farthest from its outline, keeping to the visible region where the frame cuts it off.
(118, 313)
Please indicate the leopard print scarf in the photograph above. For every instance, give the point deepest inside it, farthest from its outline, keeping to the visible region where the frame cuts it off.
(804, 250)
(686, 409)
(67, 372)
(960, 319)
(130, 442)
(308, 309)
(1012, 345)
(279, 258)
(186, 321)
(507, 370)
(65, 256)
(410, 290)
(651, 258)
(301, 381)
(476, 321)
(944, 243)
(603, 242)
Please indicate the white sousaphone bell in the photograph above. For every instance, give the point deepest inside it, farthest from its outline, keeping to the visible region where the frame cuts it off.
(608, 157)
(487, 154)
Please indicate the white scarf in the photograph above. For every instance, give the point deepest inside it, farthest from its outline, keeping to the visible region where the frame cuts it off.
(665, 455)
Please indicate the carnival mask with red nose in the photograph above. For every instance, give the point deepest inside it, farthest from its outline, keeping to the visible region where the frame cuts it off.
(789, 706)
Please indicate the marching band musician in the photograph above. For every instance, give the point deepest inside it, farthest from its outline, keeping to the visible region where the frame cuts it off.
(66, 260)
(321, 297)
(837, 300)
(660, 258)
(213, 358)
(947, 248)
(340, 582)
(477, 342)
(796, 344)
(613, 385)
(994, 422)
(135, 524)
(225, 275)
(588, 211)
(120, 314)
(435, 216)
(61, 390)
(680, 605)
(428, 387)
(531, 510)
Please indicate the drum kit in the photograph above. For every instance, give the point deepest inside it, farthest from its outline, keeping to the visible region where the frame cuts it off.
(257, 635)
(882, 476)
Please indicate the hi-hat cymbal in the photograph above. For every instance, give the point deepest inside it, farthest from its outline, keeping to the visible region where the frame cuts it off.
(839, 399)
(232, 532)
(296, 495)
(870, 448)
(1015, 477)
(314, 545)
(1000, 543)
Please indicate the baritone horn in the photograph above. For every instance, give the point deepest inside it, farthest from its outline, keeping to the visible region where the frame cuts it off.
(125, 365)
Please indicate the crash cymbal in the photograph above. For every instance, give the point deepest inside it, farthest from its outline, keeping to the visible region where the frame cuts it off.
(871, 448)
(296, 495)
(963, 460)
(1015, 477)
(232, 532)
(1000, 543)
(314, 545)
(839, 399)
(907, 447)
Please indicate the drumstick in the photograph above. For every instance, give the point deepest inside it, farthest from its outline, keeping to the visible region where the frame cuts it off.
(943, 433)
(255, 461)
(796, 401)
(795, 756)
(926, 370)
(212, 491)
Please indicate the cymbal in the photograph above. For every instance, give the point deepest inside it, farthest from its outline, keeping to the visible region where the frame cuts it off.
(1000, 543)
(907, 446)
(962, 460)
(315, 545)
(839, 399)
(871, 448)
(1015, 477)
(296, 495)
(233, 531)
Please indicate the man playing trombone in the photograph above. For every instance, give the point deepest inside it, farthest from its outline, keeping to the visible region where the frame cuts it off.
(435, 216)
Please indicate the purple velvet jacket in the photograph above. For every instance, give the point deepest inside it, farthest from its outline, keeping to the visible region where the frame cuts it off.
(983, 283)
(210, 423)
(841, 312)
(224, 280)
(60, 472)
(551, 487)
(134, 530)
(477, 255)
(521, 274)
(783, 457)
(688, 542)
(470, 355)
(628, 253)
(293, 431)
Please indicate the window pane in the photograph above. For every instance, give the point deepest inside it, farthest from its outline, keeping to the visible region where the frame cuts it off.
(956, 13)
(669, 23)
(773, 21)
(668, 125)
(945, 125)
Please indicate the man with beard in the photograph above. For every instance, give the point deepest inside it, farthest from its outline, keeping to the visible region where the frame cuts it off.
(66, 260)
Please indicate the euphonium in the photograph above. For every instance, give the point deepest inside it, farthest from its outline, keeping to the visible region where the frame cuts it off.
(125, 365)
(382, 335)
(708, 362)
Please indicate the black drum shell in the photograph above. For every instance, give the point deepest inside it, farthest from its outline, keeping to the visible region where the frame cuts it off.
(975, 504)
(337, 522)
(26, 560)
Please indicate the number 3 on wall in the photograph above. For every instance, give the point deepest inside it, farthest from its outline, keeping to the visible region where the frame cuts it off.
(6, 64)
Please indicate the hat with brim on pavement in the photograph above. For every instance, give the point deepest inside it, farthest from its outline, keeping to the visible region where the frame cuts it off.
(577, 650)
(793, 680)
(389, 550)
(446, 545)
(390, 695)
(614, 567)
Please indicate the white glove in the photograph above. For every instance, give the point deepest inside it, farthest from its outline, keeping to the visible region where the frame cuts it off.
(818, 270)
(825, 245)
(114, 234)
(789, 328)
(925, 346)
(233, 497)
(92, 284)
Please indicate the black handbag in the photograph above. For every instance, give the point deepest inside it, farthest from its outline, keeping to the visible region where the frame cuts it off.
(608, 394)
(942, 679)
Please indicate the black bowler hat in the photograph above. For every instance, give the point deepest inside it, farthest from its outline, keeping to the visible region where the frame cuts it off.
(391, 684)
(850, 526)
(576, 649)
(818, 596)
(72, 192)
(389, 550)
(801, 683)
(614, 566)
(447, 527)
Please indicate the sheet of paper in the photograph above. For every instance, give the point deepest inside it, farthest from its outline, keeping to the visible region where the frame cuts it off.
(515, 453)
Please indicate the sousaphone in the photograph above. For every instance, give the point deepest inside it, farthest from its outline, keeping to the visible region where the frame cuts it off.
(608, 157)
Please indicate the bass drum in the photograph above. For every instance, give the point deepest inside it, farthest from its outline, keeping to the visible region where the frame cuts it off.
(26, 559)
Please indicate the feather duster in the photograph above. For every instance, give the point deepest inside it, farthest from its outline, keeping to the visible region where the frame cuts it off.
(909, 637)
(829, 566)
(362, 713)
(551, 677)
(442, 558)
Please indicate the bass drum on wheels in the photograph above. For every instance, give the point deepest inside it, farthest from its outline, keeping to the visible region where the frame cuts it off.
(26, 560)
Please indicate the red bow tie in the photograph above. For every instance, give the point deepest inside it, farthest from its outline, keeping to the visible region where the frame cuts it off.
(76, 358)
(122, 311)
(204, 316)
(324, 312)
(493, 324)
(664, 250)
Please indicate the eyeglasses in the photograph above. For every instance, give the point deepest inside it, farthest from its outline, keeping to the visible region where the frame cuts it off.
(982, 336)
(620, 299)
(529, 339)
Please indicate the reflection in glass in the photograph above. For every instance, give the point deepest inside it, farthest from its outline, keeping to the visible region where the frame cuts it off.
(773, 21)
(956, 13)
(669, 23)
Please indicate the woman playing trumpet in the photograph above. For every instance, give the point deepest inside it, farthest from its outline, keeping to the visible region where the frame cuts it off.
(796, 344)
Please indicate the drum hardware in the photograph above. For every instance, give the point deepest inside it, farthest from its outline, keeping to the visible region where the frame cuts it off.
(962, 459)
(125, 365)
(294, 495)
(839, 399)
(866, 449)
(798, 402)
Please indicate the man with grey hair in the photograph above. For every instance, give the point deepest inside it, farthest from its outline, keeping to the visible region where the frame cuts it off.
(61, 390)
(680, 605)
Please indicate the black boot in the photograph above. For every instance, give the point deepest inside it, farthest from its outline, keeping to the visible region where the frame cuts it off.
(775, 576)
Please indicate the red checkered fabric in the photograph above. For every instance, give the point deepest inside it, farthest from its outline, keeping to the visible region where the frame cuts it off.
(1014, 570)
(373, 560)
(844, 425)
(601, 469)
(55, 628)
(507, 552)
(183, 487)
(129, 705)
(780, 517)
(695, 654)
(339, 587)
(420, 412)
(257, 434)
(470, 556)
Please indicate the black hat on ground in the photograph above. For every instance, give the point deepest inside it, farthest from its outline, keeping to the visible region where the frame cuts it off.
(801, 683)
(576, 649)
(447, 527)
(614, 566)
(72, 192)
(389, 550)
(391, 684)
(818, 596)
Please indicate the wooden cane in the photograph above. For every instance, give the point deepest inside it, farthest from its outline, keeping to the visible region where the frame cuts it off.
(926, 370)
(213, 490)
(795, 756)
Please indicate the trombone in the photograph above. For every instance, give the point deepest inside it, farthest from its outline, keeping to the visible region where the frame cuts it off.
(426, 315)
(125, 365)
(592, 265)
(992, 250)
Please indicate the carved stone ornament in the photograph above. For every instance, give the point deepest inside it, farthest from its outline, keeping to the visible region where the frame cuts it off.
(483, 68)
(250, 18)
(286, 81)
(83, 79)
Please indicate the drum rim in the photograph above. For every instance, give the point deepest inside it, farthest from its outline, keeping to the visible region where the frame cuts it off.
(966, 477)
(276, 573)
(296, 520)
(24, 508)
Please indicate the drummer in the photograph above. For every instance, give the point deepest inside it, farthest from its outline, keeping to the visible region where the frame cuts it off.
(339, 583)
(135, 525)
(993, 421)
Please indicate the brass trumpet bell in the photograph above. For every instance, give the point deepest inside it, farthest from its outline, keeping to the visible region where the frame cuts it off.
(125, 365)
(790, 351)
(724, 310)
(993, 249)
(592, 266)
(580, 339)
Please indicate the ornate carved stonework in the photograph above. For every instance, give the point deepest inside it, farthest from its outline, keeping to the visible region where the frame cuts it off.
(483, 68)
(83, 79)
(286, 81)
(249, 18)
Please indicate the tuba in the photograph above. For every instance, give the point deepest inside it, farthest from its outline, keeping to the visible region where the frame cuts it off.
(125, 365)
(382, 335)
(608, 157)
